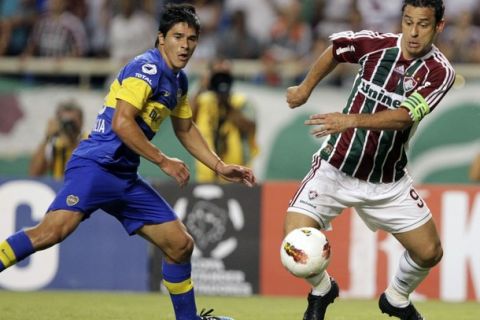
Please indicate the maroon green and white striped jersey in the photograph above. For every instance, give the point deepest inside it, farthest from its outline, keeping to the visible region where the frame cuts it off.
(385, 79)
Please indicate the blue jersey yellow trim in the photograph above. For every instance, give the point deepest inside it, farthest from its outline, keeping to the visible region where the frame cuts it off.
(155, 90)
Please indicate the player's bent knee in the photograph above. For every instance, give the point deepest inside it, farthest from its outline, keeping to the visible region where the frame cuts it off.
(431, 256)
(183, 249)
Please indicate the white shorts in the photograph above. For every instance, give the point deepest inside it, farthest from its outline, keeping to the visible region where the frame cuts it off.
(325, 191)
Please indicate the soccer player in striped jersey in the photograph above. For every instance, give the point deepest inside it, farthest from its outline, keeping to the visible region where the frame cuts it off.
(362, 162)
(102, 173)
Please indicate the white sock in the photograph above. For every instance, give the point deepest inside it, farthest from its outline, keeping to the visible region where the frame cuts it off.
(321, 283)
(406, 280)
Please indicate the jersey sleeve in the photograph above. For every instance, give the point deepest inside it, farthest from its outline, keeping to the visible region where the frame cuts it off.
(349, 46)
(437, 84)
(137, 82)
(183, 109)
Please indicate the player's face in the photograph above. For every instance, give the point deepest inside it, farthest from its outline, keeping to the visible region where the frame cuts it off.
(419, 31)
(178, 45)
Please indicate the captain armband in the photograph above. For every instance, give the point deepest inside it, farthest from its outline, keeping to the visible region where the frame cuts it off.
(417, 107)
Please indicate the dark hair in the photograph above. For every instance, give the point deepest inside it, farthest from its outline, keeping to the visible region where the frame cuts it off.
(435, 4)
(177, 13)
(221, 82)
(68, 106)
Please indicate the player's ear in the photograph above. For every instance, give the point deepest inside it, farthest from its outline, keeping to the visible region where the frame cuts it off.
(160, 39)
(440, 26)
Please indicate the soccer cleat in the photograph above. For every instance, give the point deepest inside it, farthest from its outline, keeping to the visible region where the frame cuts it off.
(317, 305)
(207, 315)
(407, 313)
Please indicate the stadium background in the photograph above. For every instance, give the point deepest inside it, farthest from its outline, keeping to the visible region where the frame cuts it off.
(238, 253)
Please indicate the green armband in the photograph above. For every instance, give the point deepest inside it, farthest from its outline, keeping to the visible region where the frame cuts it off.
(417, 106)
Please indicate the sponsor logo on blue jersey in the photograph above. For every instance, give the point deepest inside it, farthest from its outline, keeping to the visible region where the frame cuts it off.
(149, 68)
(143, 77)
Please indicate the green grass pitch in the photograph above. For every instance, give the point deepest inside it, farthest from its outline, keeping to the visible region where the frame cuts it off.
(86, 305)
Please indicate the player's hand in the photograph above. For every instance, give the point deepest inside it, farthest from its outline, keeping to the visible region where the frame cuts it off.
(329, 123)
(296, 96)
(177, 169)
(236, 173)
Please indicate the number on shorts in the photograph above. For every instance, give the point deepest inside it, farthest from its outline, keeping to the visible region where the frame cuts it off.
(417, 198)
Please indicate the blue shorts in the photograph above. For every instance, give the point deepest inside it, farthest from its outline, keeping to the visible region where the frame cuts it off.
(88, 186)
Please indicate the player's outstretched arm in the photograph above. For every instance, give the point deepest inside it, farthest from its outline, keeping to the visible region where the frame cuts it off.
(191, 138)
(127, 129)
(331, 123)
(298, 95)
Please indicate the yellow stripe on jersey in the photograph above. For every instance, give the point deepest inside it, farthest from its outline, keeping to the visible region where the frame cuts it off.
(7, 256)
(154, 113)
(134, 91)
(183, 109)
(137, 92)
(178, 287)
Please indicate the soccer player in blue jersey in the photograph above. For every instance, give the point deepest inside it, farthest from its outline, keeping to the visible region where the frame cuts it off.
(362, 163)
(102, 173)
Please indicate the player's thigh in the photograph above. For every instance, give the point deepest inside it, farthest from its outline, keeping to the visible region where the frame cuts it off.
(394, 208)
(319, 199)
(141, 206)
(422, 243)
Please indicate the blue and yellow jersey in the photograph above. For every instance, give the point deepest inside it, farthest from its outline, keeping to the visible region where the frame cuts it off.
(150, 85)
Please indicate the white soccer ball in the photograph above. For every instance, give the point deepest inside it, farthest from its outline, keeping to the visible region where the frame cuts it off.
(305, 252)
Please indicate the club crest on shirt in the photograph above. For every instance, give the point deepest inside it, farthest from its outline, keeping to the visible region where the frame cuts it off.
(149, 68)
(409, 83)
(72, 200)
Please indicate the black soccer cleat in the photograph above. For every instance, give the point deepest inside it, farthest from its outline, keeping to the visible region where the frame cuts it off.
(207, 315)
(317, 305)
(407, 313)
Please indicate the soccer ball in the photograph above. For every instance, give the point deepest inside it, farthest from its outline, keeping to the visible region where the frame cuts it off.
(305, 252)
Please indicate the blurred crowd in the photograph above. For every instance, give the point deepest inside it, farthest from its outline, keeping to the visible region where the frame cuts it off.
(271, 31)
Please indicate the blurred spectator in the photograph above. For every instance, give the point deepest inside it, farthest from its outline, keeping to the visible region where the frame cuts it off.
(474, 173)
(97, 24)
(454, 8)
(210, 13)
(291, 39)
(226, 119)
(335, 15)
(132, 30)
(16, 20)
(460, 41)
(380, 15)
(236, 42)
(58, 33)
(79, 8)
(64, 132)
(261, 15)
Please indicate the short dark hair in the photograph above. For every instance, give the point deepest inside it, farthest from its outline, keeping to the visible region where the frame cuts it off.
(176, 13)
(435, 4)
